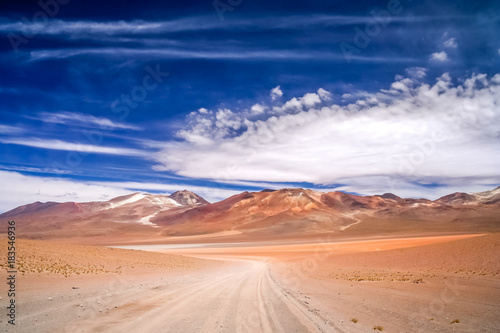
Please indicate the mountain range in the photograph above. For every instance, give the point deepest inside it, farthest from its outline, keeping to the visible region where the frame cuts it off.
(268, 214)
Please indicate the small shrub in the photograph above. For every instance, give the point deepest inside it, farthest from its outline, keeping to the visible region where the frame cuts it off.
(354, 320)
(455, 321)
(378, 328)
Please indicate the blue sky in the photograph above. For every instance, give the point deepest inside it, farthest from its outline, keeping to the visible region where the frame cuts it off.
(97, 100)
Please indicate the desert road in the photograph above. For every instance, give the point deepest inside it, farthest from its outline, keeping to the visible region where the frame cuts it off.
(240, 297)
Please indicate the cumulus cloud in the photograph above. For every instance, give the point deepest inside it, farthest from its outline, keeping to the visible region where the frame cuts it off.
(257, 109)
(439, 56)
(305, 102)
(205, 126)
(324, 95)
(416, 72)
(276, 93)
(411, 133)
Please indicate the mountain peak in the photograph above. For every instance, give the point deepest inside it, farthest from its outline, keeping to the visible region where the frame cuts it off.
(390, 196)
(457, 198)
(187, 198)
(291, 190)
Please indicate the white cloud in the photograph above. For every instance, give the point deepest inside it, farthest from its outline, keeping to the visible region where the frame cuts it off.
(276, 93)
(412, 132)
(34, 169)
(205, 126)
(310, 99)
(24, 189)
(7, 129)
(72, 118)
(210, 193)
(407, 189)
(193, 53)
(324, 94)
(56, 27)
(451, 43)
(439, 56)
(257, 109)
(416, 72)
(102, 29)
(227, 120)
(27, 189)
(305, 102)
(69, 146)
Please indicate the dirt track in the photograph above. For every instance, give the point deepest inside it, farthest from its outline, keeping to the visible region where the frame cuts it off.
(242, 297)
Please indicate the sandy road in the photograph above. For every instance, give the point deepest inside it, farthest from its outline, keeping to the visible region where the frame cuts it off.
(243, 297)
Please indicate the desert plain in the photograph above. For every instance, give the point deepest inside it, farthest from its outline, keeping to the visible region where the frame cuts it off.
(406, 284)
(394, 265)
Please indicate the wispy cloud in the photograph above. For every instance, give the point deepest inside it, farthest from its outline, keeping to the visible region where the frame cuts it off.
(409, 189)
(33, 169)
(227, 54)
(99, 29)
(78, 147)
(257, 185)
(451, 43)
(87, 28)
(25, 189)
(7, 129)
(211, 193)
(79, 119)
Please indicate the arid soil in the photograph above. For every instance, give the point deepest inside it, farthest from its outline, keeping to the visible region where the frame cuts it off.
(450, 286)
(415, 284)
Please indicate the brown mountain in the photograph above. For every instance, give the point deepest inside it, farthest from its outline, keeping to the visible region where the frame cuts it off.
(128, 212)
(299, 212)
(186, 198)
(458, 198)
(284, 213)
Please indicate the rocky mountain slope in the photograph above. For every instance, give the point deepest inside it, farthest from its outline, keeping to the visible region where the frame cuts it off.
(286, 212)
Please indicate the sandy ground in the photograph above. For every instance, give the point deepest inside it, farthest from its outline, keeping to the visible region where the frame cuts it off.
(449, 286)
(418, 284)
